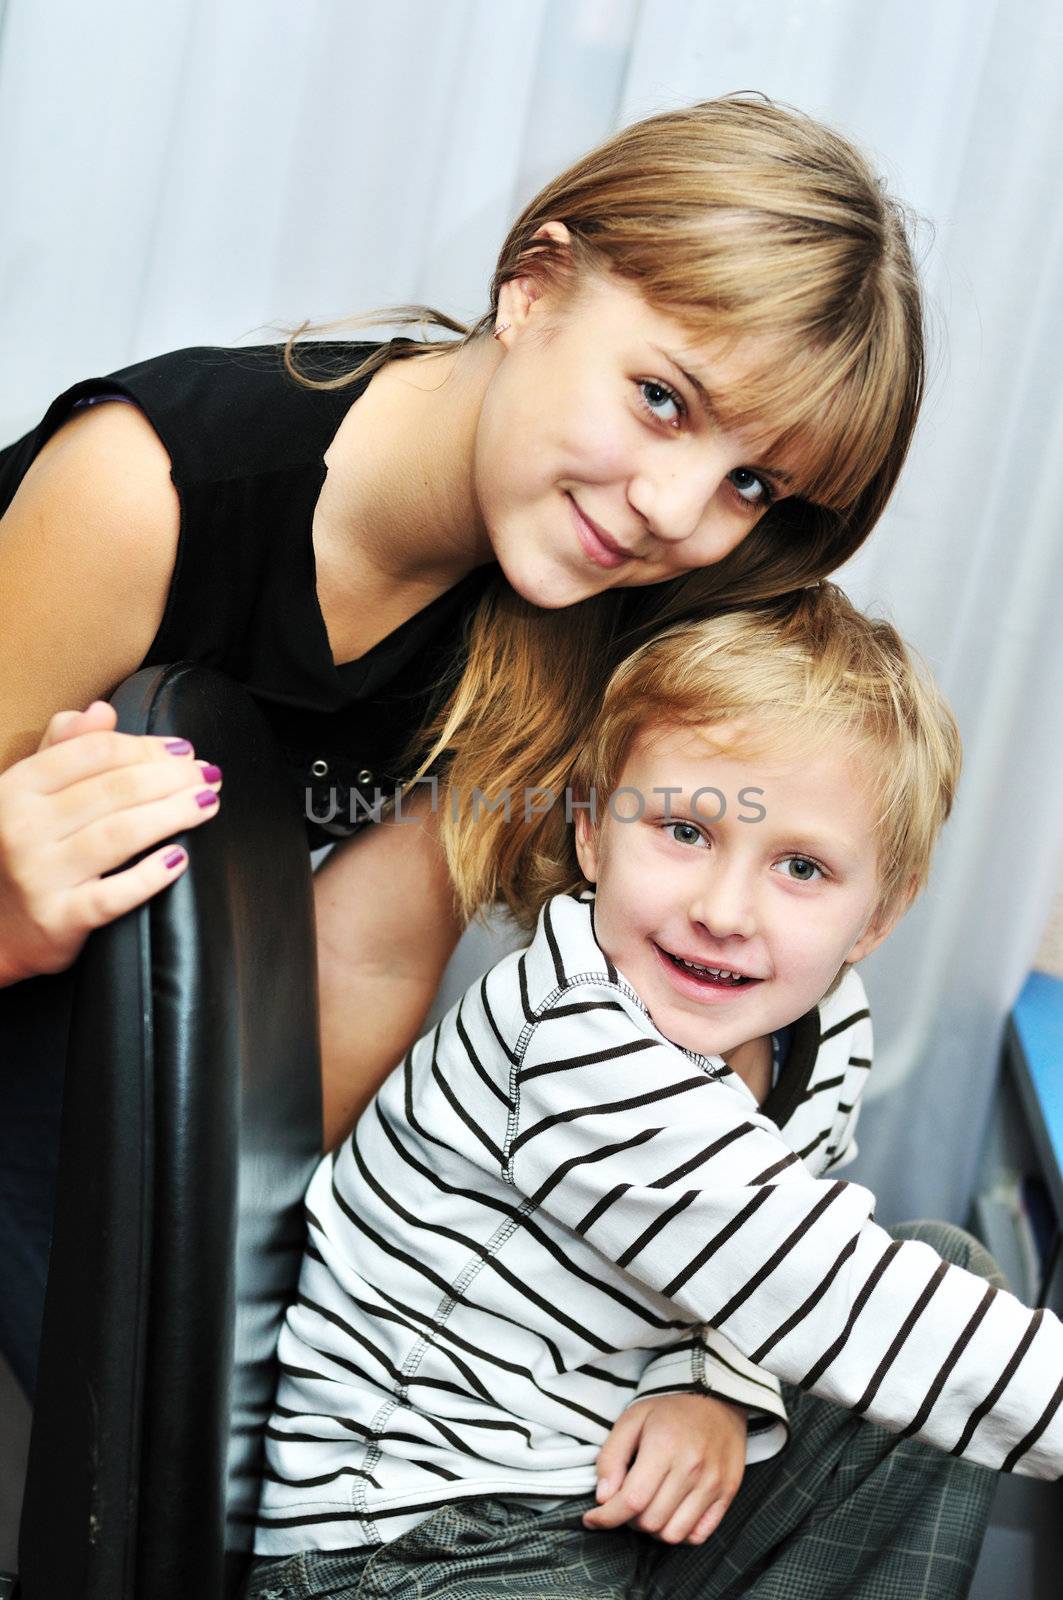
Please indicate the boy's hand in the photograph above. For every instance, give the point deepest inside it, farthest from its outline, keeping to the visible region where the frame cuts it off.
(671, 1467)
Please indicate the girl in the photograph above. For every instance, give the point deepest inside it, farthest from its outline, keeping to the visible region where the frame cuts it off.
(695, 386)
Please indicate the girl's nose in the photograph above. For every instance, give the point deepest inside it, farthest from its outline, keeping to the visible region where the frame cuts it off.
(675, 499)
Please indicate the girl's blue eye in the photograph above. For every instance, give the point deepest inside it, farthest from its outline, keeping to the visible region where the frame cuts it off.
(653, 394)
(808, 873)
(693, 835)
(753, 490)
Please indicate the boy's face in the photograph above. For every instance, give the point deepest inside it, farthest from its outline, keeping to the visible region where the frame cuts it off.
(782, 901)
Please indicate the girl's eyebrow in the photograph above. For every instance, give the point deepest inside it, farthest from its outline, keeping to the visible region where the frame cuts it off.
(706, 399)
(695, 383)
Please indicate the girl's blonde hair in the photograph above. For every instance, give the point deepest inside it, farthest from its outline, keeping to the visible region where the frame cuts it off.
(788, 679)
(738, 217)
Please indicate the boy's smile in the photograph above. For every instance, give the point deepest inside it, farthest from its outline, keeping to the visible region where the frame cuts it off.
(731, 920)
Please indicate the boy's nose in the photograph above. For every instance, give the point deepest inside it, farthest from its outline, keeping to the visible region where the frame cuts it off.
(724, 908)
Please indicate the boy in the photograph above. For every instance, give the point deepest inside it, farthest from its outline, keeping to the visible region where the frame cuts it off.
(601, 1178)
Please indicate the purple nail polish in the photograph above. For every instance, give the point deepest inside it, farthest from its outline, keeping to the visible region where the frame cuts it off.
(210, 772)
(174, 859)
(206, 797)
(179, 747)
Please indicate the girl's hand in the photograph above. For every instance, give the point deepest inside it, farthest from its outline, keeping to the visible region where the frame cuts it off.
(671, 1467)
(80, 806)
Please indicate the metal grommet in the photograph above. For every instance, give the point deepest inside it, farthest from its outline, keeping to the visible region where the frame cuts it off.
(319, 768)
(365, 776)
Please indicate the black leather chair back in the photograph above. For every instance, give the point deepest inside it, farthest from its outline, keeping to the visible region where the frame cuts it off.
(191, 1125)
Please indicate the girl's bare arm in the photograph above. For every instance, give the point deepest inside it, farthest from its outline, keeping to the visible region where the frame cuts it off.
(386, 930)
(87, 550)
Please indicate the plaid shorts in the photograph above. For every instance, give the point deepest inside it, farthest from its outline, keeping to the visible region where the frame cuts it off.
(847, 1511)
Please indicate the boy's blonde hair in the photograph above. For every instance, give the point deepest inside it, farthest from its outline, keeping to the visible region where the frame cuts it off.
(738, 217)
(803, 672)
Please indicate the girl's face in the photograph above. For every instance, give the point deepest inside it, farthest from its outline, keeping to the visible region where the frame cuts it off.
(598, 461)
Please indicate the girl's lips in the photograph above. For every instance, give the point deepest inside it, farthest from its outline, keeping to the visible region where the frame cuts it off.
(703, 989)
(600, 553)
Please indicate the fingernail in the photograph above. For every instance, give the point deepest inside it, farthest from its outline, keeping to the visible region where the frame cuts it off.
(174, 859)
(210, 772)
(206, 797)
(179, 747)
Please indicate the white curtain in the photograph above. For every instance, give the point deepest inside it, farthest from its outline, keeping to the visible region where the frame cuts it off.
(214, 170)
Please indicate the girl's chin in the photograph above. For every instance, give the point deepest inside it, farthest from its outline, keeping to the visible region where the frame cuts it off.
(550, 588)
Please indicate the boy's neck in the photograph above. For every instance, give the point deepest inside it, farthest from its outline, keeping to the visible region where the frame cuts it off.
(752, 1062)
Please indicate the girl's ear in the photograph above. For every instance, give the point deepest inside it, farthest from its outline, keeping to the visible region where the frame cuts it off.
(586, 847)
(518, 296)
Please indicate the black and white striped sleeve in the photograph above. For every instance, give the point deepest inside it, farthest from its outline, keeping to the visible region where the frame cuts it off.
(848, 1149)
(676, 1179)
(705, 1362)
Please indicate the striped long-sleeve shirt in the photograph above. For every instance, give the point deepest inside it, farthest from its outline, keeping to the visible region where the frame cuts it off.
(550, 1210)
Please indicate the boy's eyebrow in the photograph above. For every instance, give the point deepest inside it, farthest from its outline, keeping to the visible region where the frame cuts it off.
(833, 847)
(707, 401)
(794, 838)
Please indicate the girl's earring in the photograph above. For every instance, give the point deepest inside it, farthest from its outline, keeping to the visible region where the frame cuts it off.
(500, 329)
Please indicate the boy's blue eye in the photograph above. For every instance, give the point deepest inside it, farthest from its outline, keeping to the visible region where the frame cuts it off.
(690, 834)
(806, 871)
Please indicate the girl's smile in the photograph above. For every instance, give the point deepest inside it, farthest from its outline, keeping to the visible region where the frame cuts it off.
(597, 543)
(580, 451)
(599, 462)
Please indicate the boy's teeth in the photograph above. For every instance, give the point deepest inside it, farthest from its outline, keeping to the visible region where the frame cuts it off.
(712, 972)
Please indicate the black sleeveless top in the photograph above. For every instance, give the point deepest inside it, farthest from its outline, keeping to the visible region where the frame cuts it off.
(246, 442)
